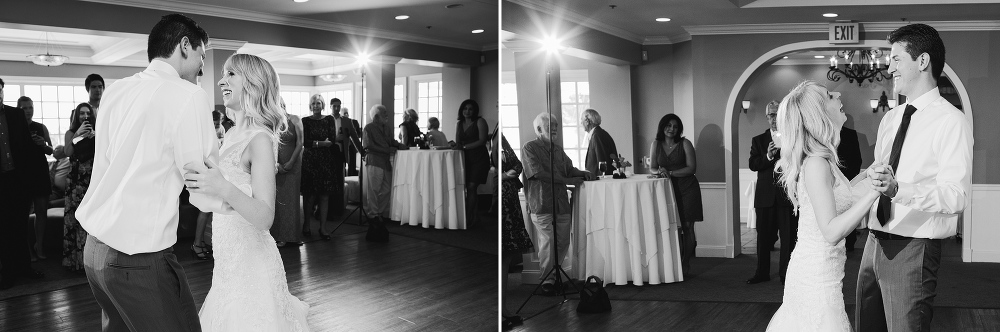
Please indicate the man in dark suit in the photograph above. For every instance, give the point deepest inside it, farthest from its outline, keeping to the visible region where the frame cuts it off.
(774, 211)
(352, 151)
(16, 148)
(601, 147)
(849, 152)
(347, 135)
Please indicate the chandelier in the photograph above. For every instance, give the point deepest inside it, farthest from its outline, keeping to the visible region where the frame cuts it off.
(48, 59)
(868, 67)
(332, 77)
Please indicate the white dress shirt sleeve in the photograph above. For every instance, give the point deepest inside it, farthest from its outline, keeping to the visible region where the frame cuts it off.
(952, 147)
(195, 142)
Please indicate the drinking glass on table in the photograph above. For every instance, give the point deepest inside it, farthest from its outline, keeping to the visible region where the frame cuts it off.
(603, 167)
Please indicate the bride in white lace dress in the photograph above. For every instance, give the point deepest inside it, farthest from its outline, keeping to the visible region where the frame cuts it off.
(249, 290)
(810, 118)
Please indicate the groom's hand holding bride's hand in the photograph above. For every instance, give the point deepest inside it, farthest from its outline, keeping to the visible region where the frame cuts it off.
(206, 179)
(883, 179)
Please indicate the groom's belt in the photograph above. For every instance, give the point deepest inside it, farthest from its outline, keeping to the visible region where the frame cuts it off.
(887, 236)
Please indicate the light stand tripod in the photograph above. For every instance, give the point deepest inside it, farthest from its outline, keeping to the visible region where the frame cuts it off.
(556, 264)
(361, 171)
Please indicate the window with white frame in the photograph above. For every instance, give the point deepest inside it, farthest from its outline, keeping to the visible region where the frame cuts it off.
(296, 102)
(509, 124)
(575, 98)
(346, 96)
(54, 100)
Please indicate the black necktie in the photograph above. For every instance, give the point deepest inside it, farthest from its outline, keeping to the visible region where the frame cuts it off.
(884, 202)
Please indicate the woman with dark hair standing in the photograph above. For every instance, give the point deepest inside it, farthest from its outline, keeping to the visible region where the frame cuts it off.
(673, 157)
(79, 147)
(470, 136)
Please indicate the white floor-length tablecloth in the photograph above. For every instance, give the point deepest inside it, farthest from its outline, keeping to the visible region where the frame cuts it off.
(428, 189)
(626, 230)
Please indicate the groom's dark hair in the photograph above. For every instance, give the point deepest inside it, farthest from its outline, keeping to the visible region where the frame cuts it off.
(918, 39)
(167, 33)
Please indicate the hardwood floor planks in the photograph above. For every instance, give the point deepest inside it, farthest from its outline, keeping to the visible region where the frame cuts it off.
(351, 285)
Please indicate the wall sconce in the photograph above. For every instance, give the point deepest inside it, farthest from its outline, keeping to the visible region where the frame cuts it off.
(881, 104)
(746, 106)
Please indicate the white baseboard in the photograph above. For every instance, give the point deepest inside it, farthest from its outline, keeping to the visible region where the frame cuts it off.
(985, 256)
(713, 251)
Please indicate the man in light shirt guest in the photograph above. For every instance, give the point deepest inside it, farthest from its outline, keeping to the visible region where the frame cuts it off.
(923, 167)
(156, 122)
(547, 171)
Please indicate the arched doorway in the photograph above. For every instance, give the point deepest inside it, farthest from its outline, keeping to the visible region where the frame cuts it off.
(731, 123)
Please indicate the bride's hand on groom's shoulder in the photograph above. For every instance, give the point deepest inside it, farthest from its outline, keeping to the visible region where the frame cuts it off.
(206, 179)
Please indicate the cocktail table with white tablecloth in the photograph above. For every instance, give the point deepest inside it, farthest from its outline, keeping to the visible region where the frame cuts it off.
(626, 230)
(428, 189)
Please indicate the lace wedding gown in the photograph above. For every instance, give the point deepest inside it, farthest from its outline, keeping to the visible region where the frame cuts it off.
(814, 289)
(249, 290)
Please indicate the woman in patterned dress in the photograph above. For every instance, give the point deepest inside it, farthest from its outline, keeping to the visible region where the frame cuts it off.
(319, 138)
(79, 147)
(515, 237)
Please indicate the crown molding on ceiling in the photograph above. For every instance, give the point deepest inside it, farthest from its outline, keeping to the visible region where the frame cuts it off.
(225, 44)
(246, 15)
(580, 19)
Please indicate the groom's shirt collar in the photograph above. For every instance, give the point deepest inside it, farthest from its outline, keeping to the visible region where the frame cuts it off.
(926, 99)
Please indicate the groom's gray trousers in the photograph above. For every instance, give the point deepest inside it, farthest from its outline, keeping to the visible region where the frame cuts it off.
(141, 292)
(896, 283)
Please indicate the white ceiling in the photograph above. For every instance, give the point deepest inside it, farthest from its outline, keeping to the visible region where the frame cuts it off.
(635, 20)
(448, 27)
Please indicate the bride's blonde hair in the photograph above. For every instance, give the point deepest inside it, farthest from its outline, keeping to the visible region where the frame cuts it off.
(261, 95)
(806, 131)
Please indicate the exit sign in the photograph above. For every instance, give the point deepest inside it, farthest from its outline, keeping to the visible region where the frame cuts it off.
(844, 33)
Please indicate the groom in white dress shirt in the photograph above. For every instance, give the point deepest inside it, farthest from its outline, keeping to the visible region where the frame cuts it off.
(928, 143)
(155, 123)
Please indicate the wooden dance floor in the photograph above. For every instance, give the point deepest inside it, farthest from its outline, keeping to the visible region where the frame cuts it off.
(351, 285)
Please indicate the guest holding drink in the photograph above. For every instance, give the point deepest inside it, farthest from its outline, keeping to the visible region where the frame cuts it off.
(673, 157)
(41, 187)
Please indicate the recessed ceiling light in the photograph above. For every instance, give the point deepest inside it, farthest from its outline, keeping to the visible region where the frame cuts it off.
(477, 31)
(818, 57)
(786, 57)
(300, 0)
(453, 6)
(663, 19)
(402, 17)
(830, 15)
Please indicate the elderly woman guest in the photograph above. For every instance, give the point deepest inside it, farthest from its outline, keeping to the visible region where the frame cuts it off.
(436, 137)
(79, 147)
(378, 145)
(409, 128)
(673, 156)
(319, 136)
(42, 185)
(471, 134)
